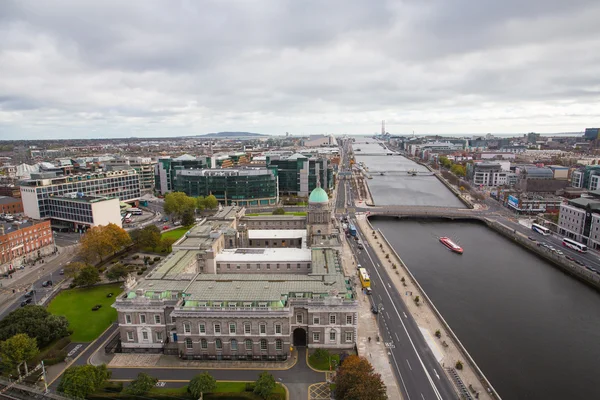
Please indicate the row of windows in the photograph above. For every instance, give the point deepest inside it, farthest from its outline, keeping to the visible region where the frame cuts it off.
(248, 344)
(317, 320)
(332, 336)
(142, 318)
(258, 266)
(187, 328)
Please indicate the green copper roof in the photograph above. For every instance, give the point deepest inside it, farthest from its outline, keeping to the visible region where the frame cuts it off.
(318, 196)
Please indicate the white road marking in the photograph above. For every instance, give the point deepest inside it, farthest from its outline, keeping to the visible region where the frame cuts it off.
(389, 286)
(397, 338)
(404, 314)
(423, 397)
(388, 315)
(409, 365)
(436, 374)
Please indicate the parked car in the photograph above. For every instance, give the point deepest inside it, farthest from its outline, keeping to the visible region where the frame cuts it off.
(29, 294)
(26, 301)
(61, 272)
(531, 238)
(46, 283)
(369, 291)
(374, 309)
(580, 263)
(569, 258)
(560, 252)
(164, 228)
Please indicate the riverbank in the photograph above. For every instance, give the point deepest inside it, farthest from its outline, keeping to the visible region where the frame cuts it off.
(447, 347)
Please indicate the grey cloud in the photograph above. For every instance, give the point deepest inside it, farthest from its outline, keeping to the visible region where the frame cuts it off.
(183, 67)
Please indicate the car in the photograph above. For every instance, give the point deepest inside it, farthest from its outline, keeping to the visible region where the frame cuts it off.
(531, 238)
(46, 283)
(61, 272)
(96, 307)
(369, 291)
(580, 263)
(374, 309)
(177, 223)
(164, 228)
(25, 302)
(29, 294)
(569, 258)
(559, 252)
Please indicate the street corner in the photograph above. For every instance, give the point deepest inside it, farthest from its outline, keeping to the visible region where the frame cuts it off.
(319, 391)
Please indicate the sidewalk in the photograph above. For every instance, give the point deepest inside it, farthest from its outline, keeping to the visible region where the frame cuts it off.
(445, 349)
(375, 352)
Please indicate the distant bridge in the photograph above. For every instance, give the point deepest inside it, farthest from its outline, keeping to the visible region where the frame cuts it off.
(426, 212)
(400, 171)
(360, 153)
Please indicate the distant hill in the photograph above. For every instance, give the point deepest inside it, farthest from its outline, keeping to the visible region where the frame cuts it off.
(232, 135)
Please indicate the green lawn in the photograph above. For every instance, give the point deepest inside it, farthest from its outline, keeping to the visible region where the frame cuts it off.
(175, 233)
(76, 305)
(323, 365)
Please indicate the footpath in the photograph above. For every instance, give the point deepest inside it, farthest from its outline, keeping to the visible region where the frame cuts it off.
(446, 350)
(373, 351)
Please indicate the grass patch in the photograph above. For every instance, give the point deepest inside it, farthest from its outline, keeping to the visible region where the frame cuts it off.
(76, 305)
(323, 364)
(175, 233)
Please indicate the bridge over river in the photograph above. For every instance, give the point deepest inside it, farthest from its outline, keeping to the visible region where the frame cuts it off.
(426, 212)
(400, 172)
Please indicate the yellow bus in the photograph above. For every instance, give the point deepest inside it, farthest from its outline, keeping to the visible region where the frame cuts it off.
(365, 281)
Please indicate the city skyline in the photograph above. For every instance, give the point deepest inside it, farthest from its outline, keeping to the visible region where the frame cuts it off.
(171, 69)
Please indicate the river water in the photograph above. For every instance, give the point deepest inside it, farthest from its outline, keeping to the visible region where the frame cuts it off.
(534, 331)
(399, 187)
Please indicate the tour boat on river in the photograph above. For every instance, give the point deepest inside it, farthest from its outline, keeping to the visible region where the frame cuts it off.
(451, 245)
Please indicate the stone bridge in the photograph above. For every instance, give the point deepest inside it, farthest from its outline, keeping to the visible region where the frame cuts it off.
(426, 212)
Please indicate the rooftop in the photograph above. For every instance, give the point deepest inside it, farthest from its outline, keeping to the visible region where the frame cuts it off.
(276, 233)
(8, 200)
(583, 202)
(257, 255)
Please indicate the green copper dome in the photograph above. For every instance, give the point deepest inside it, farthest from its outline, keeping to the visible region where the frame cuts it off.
(318, 196)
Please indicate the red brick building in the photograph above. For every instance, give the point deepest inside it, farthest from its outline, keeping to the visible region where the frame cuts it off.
(24, 241)
(10, 190)
(10, 205)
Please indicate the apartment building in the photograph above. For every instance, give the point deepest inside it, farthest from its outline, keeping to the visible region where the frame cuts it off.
(213, 299)
(580, 220)
(10, 205)
(24, 240)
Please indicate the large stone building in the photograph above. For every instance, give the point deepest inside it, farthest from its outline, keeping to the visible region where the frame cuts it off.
(241, 288)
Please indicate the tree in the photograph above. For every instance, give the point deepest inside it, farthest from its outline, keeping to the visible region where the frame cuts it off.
(100, 241)
(150, 236)
(187, 219)
(87, 276)
(141, 385)
(116, 272)
(35, 322)
(167, 242)
(459, 365)
(200, 203)
(211, 202)
(265, 384)
(18, 350)
(417, 299)
(200, 384)
(83, 380)
(136, 237)
(279, 211)
(458, 170)
(177, 203)
(72, 269)
(355, 380)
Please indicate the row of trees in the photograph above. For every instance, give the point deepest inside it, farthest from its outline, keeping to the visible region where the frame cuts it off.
(456, 169)
(183, 207)
(24, 331)
(355, 380)
(150, 236)
(83, 380)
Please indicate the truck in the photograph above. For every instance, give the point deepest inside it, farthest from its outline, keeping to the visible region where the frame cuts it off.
(352, 229)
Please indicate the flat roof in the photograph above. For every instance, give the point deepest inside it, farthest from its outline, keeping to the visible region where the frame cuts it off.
(276, 233)
(9, 200)
(257, 255)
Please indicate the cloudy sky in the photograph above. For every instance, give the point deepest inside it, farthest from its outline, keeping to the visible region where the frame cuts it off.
(168, 68)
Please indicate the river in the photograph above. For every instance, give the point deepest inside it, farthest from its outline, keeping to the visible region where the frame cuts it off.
(401, 188)
(533, 330)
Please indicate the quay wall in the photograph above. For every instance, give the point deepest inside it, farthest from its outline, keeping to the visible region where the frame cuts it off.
(443, 322)
(454, 190)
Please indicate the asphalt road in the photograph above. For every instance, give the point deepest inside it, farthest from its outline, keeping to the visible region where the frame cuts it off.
(419, 374)
(34, 279)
